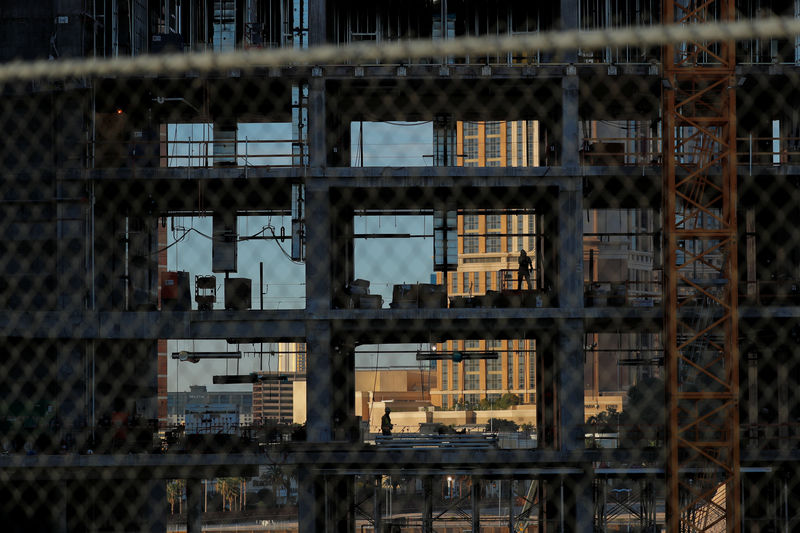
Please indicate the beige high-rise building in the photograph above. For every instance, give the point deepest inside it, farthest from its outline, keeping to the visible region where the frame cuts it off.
(489, 243)
(273, 398)
(619, 257)
(292, 357)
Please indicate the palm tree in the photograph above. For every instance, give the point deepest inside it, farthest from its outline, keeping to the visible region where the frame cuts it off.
(230, 488)
(224, 489)
(171, 496)
(175, 492)
(276, 477)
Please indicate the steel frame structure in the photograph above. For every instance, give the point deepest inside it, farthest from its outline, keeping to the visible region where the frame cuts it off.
(700, 270)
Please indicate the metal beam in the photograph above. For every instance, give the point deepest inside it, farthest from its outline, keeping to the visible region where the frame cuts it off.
(197, 356)
(475, 498)
(369, 325)
(290, 324)
(382, 177)
(456, 356)
(253, 377)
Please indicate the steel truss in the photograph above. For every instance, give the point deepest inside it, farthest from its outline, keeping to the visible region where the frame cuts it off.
(699, 112)
(616, 504)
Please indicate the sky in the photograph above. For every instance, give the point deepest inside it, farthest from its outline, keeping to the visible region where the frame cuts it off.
(384, 262)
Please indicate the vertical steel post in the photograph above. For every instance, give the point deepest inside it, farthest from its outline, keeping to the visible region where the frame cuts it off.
(194, 516)
(377, 506)
(475, 497)
(427, 509)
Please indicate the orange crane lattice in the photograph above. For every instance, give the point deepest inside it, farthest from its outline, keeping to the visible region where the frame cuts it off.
(700, 274)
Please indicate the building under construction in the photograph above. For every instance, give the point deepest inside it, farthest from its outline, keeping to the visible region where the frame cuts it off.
(656, 188)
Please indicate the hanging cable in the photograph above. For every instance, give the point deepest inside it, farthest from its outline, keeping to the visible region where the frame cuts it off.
(420, 123)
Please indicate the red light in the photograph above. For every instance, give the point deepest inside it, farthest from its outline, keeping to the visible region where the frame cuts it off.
(119, 111)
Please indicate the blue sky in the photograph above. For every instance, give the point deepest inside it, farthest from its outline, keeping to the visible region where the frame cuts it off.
(384, 262)
(392, 144)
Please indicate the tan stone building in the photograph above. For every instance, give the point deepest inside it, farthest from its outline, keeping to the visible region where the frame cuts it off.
(619, 263)
(488, 248)
(407, 394)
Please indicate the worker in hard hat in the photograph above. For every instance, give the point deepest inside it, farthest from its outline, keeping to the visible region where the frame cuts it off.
(525, 266)
(386, 423)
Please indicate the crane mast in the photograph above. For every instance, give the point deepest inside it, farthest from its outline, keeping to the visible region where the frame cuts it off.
(700, 274)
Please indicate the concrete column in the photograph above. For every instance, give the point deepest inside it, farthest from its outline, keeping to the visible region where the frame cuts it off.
(194, 507)
(70, 111)
(427, 506)
(547, 253)
(310, 500)
(102, 253)
(570, 139)
(783, 399)
(570, 385)
(754, 500)
(60, 508)
(70, 118)
(576, 500)
(71, 40)
(569, 15)
(320, 394)
(770, 396)
(154, 508)
(570, 244)
(317, 25)
(339, 493)
(570, 337)
(342, 240)
(750, 253)
(72, 246)
(752, 400)
(319, 283)
(475, 498)
(574, 497)
(317, 139)
(569, 157)
(343, 374)
(772, 505)
(109, 255)
(546, 394)
(73, 410)
(320, 400)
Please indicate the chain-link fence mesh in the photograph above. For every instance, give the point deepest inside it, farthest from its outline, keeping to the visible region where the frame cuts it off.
(483, 266)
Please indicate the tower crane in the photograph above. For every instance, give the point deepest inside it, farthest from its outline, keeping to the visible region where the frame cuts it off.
(700, 274)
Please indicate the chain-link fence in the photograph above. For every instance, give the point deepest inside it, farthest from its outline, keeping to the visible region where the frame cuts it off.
(435, 266)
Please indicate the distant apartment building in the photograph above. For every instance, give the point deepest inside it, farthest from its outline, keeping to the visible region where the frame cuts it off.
(619, 265)
(179, 402)
(212, 419)
(273, 396)
(620, 268)
(489, 243)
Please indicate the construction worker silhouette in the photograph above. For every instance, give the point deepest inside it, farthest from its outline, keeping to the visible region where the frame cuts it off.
(525, 266)
(386, 423)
